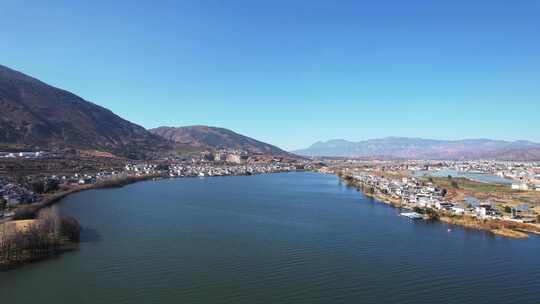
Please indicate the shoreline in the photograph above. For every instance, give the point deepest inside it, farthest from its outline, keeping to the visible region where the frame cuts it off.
(31, 211)
(497, 227)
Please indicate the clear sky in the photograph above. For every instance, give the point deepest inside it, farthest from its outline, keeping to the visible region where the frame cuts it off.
(292, 72)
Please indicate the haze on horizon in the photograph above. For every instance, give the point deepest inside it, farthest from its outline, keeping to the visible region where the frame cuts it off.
(292, 73)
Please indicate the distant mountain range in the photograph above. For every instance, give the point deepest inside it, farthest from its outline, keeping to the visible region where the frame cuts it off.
(216, 138)
(418, 148)
(37, 116)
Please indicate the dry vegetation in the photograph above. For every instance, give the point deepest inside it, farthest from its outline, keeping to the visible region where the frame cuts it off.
(495, 226)
(393, 174)
(510, 233)
(37, 232)
(499, 194)
(30, 240)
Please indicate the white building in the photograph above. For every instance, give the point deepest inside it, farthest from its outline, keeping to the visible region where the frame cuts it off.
(234, 158)
(458, 210)
(481, 212)
(521, 187)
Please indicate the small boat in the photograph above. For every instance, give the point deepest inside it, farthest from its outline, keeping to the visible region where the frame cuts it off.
(412, 215)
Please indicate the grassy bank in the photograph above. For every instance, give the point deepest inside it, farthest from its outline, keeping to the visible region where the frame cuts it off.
(510, 233)
(498, 227)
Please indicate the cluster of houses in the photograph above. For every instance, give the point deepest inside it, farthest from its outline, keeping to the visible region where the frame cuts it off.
(26, 155)
(412, 193)
(141, 169)
(87, 178)
(14, 194)
(235, 157)
(213, 168)
(409, 191)
(75, 179)
(183, 170)
(523, 176)
(518, 171)
(229, 156)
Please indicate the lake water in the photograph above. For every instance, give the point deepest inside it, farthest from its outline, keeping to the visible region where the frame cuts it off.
(480, 177)
(278, 238)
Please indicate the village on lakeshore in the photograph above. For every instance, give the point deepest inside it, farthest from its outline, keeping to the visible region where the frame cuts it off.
(20, 191)
(486, 191)
(495, 190)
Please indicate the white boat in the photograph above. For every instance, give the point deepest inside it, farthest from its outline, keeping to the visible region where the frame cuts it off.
(412, 215)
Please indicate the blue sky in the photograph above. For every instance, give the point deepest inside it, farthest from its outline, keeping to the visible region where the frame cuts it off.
(292, 72)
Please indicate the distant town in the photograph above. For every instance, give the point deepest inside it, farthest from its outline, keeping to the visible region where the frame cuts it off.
(18, 191)
(485, 190)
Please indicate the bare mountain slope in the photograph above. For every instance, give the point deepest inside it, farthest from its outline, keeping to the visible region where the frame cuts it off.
(34, 115)
(216, 138)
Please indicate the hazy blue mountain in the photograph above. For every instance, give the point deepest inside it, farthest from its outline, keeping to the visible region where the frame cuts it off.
(418, 148)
